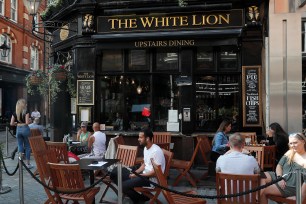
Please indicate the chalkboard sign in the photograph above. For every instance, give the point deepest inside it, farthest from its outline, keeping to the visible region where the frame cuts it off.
(251, 93)
(85, 92)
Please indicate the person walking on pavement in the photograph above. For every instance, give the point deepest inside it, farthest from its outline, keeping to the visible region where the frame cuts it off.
(21, 119)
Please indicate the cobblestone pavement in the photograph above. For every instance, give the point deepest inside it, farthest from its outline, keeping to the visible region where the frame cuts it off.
(35, 194)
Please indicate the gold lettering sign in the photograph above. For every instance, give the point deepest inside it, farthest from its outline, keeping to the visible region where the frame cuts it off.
(163, 22)
(163, 43)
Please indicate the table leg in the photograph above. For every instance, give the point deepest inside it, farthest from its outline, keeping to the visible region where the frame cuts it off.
(119, 169)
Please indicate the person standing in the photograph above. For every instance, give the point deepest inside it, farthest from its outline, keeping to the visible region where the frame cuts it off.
(146, 169)
(21, 119)
(35, 114)
(236, 162)
(220, 141)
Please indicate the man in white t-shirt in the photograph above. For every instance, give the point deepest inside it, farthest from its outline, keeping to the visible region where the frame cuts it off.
(35, 114)
(96, 142)
(146, 169)
(235, 161)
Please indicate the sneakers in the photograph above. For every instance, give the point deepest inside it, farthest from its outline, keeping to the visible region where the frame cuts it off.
(30, 166)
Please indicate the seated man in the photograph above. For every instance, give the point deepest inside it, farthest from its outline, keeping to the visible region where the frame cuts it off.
(35, 125)
(96, 143)
(146, 169)
(236, 162)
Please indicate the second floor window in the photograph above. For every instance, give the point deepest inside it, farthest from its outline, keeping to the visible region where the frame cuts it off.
(2, 7)
(34, 58)
(7, 59)
(14, 10)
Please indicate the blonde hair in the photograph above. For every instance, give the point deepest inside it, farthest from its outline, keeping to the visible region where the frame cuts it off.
(20, 108)
(299, 136)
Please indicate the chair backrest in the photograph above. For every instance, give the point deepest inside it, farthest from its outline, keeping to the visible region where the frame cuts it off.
(205, 147)
(66, 177)
(127, 154)
(37, 143)
(269, 157)
(161, 137)
(119, 140)
(168, 158)
(42, 157)
(251, 135)
(60, 149)
(258, 153)
(161, 180)
(35, 132)
(234, 183)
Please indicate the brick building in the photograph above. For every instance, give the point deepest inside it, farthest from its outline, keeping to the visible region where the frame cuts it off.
(26, 53)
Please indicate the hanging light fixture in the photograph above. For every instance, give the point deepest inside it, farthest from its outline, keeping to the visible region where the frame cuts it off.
(5, 49)
(139, 89)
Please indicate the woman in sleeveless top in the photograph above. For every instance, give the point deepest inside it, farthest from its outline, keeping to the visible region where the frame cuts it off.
(21, 119)
(83, 134)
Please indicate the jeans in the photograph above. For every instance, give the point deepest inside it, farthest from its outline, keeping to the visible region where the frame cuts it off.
(128, 188)
(22, 135)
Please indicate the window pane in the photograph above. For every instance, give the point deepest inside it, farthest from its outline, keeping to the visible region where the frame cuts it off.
(217, 97)
(138, 60)
(167, 60)
(112, 60)
(125, 97)
(162, 100)
(205, 59)
(228, 59)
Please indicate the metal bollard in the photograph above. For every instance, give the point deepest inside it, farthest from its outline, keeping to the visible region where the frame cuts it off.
(21, 196)
(6, 145)
(298, 186)
(119, 169)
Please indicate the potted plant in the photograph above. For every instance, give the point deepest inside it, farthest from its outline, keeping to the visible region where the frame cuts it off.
(36, 82)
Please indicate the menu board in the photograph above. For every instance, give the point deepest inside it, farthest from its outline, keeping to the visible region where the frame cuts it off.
(251, 94)
(85, 92)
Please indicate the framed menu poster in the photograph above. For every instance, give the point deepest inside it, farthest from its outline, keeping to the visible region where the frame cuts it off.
(85, 92)
(251, 96)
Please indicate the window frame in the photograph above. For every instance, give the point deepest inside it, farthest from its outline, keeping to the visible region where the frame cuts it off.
(7, 59)
(15, 9)
(2, 7)
(34, 58)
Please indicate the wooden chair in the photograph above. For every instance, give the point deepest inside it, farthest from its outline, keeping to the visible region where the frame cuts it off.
(35, 132)
(37, 144)
(171, 197)
(258, 152)
(148, 191)
(184, 168)
(234, 183)
(127, 155)
(162, 138)
(269, 157)
(60, 149)
(205, 149)
(68, 177)
(251, 135)
(42, 157)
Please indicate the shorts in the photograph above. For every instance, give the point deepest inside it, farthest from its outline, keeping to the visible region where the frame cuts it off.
(287, 191)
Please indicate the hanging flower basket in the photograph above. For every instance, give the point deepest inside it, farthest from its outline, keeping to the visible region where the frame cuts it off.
(60, 75)
(35, 80)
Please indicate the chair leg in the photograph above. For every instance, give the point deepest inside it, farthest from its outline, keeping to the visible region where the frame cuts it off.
(108, 185)
(155, 198)
(178, 178)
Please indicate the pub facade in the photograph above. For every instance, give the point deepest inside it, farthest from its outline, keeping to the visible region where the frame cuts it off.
(178, 68)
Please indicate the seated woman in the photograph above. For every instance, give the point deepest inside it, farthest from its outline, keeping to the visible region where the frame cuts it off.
(82, 136)
(276, 135)
(293, 159)
(220, 141)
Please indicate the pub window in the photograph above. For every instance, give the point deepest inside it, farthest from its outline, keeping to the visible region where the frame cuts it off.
(7, 59)
(165, 98)
(112, 60)
(217, 97)
(166, 59)
(14, 4)
(34, 61)
(205, 59)
(122, 101)
(138, 60)
(228, 59)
